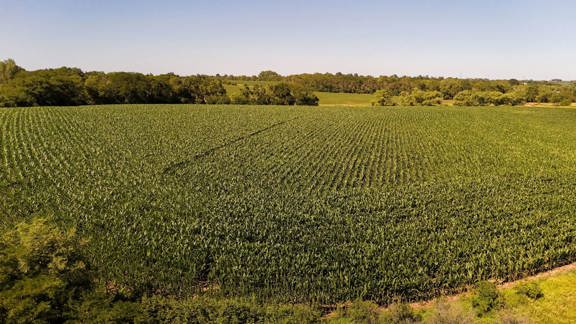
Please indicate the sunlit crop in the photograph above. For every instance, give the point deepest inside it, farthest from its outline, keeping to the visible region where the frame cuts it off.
(300, 204)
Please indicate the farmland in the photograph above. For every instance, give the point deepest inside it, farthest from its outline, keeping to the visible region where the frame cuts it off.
(345, 99)
(300, 203)
(326, 98)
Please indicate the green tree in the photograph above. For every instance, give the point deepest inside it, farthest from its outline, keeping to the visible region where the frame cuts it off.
(451, 87)
(384, 98)
(269, 76)
(8, 70)
(486, 298)
(41, 269)
(281, 94)
(53, 87)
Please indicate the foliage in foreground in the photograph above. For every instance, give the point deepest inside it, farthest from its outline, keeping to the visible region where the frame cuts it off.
(486, 298)
(40, 270)
(531, 290)
(44, 278)
(401, 313)
(445, 312)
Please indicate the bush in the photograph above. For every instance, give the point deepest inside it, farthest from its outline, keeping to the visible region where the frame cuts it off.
(414, 98)
(221, 310)
(565, 102)
(446, 313)
(281, 94)
(531, 290)
(384, 98)
(489, 98)
(510, 318)
(294, 314)
(305, 98)
(510, 99)
(425, 98)
(401, 313)
(43, 278)
(40, 270)
(486, 298)
(362, 312)
(217, 100)
(100, 307)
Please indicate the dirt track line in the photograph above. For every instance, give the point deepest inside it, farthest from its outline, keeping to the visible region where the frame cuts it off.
(505, 285)
(173, 167)
(453, 297)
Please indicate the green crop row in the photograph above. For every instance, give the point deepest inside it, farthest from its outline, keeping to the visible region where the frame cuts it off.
(299, 204)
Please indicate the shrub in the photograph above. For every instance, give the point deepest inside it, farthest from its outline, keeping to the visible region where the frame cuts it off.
(293, 314)
(306, 98)
(384, 98)
(99, 307)
(281, 94)
(446, 313)
(401, 313)
(426, 98)
(509, 318)
(565, 102)
(531, 290)
(43, 278)
(362, 312)
(489, 98)
(217, 100)
(415, 97)
(223, 310)
(40, 270)
(486, 298)
(510, 99)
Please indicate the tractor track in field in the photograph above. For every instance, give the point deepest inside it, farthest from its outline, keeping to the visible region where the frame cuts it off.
(173, 167)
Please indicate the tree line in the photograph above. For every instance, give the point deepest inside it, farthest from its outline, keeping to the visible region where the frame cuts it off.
(494, 93)
(275, 94)
(424, 91)
(71, 86)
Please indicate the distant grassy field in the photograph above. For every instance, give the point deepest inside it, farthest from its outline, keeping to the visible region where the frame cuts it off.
(345, 99)
(319, 204)
(326, 98)
(232, 90)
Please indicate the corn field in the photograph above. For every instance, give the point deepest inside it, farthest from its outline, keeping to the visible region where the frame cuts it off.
(299, 204)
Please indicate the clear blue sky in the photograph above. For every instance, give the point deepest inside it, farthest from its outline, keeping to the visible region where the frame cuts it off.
(465, 38)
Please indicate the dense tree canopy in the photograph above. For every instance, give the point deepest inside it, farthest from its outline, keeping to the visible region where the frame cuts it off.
(54, 87)
(275, 94)
(70, 86)
(8, 70)
(396, 90)
(269, 76)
